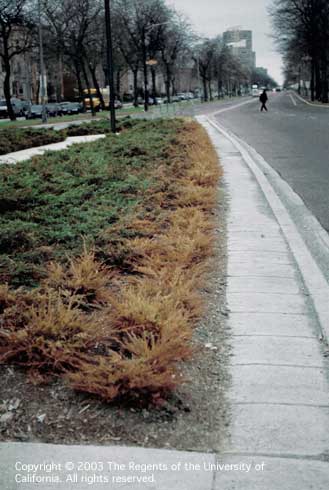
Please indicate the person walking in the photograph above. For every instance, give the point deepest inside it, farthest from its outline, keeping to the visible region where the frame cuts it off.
(263, 99)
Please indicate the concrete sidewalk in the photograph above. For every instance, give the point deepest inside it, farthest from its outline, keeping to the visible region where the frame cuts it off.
(280, 392)
(23, 155)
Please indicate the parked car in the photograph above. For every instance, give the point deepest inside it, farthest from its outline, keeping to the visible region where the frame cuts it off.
(53, 109)
(71, 107)
(34, 111)
(117, 104)
(141, 100)
(128, 97)
(3, 109)
(19, 107)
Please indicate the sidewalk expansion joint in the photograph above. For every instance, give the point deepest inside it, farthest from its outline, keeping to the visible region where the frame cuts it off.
(280, 404)
(269, 313)
(276, 336)
(267, 293)
(251, 312)
(261, 275)
(323, 457)
(276, 365)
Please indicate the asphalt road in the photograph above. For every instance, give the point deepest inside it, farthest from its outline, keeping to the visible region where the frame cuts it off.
(294, 139)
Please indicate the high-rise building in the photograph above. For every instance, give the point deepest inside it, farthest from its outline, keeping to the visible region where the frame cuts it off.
(240, 43)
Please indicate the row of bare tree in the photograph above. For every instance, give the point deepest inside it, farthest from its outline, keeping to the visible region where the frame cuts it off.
(302, 34)
(143, 31)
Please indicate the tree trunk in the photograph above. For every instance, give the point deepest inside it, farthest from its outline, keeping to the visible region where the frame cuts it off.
(6, 83)
(312, 87)
(60, 95)
(146, 92)
(324, 96)
(167, 83)
(79, 82)
(173, 85)
(96, 85)
(6, 89)
(210, 90)
(219, 88)
(135, 74)
(85, 76)
(154, 89)
(317, 81)
(118, 83)
(205, 89)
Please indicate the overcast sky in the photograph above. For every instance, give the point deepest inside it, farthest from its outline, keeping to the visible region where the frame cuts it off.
(213, 17)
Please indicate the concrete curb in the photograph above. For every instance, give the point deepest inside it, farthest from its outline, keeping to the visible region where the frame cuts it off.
(310, 103)
(313, 277)
(23, 155)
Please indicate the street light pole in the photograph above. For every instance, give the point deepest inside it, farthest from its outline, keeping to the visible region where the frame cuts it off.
(146, 92)
(42, 68)
(109, 59)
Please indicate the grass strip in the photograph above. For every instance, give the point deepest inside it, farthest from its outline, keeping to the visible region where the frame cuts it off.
(114, 318)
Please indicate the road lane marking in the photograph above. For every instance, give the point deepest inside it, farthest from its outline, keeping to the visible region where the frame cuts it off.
(232, 107)
(293, 100)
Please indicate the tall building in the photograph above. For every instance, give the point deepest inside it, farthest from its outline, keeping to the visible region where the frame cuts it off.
(240, 43)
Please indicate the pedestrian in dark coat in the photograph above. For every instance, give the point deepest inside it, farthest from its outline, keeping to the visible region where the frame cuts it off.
(263, 99)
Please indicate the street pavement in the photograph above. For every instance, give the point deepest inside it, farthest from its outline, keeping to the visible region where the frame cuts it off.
(291, 143)
(293, 137)
(277, 300)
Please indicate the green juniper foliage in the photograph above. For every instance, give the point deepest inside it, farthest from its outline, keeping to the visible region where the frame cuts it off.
(50, 202)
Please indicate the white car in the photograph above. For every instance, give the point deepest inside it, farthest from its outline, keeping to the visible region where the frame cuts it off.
(3, 109)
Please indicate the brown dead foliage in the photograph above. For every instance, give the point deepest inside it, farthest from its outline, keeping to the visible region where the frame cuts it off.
(121, 335)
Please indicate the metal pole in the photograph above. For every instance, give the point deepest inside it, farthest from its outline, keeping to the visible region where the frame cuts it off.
(146, 92)
(42, 68)
(109, 57)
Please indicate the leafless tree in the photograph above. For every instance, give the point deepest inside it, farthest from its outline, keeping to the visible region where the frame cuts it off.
(302, 33)
(142, 24)
(16, 38)
(174, 45)
(205, 59)
(76, 24)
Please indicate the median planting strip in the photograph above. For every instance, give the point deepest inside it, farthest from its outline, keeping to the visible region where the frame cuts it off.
(18, 139)
(104, 251)
(23, 155)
